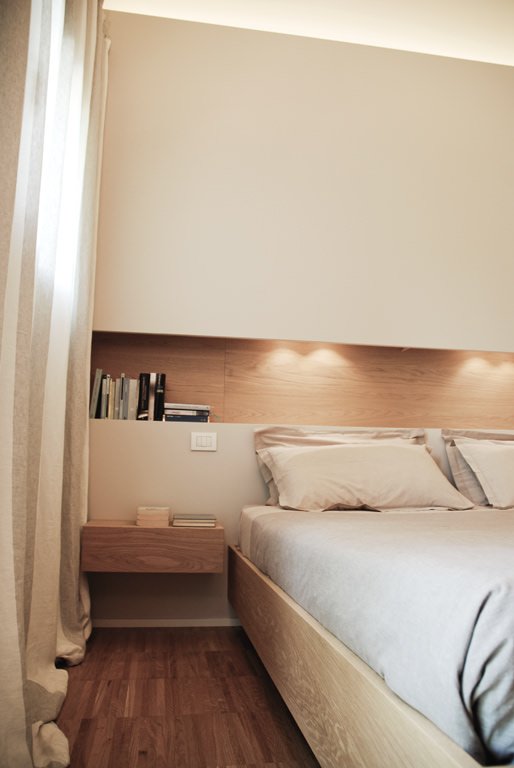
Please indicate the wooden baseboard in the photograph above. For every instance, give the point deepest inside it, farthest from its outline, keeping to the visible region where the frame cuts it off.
(149, 623)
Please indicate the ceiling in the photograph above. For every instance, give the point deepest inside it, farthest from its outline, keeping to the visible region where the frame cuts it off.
(481, 30)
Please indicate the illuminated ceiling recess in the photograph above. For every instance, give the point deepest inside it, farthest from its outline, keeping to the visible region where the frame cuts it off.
(479, 30)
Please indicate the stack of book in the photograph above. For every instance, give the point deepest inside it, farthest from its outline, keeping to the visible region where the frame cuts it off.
(186, 412)
(153, 517)
(128, 398)
(195, 520)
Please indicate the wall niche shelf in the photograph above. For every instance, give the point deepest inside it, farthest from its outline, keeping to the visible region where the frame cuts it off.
(252, 381)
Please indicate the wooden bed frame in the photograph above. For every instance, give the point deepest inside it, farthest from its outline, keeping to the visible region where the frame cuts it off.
(349, 716)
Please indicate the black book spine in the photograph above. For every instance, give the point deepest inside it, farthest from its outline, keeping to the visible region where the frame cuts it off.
(160, 392)
(144, 390)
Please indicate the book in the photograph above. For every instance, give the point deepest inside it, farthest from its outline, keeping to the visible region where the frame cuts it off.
(153, 511)
(187, 406)
(194, 516)
(133, 393)
(112, 399)
(153, 517)
(177, 417)
(104, 397)
(194, 520)
(95, 393)
(142, 403)
(160, 393)
(123, 394)
(153, 523)
(151, 514)
(151, 395)
(117, 398)
(185, 412)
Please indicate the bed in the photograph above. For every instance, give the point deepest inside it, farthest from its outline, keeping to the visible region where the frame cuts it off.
(446, 578)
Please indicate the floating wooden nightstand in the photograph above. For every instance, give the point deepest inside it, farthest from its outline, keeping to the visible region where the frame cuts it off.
(121, 546)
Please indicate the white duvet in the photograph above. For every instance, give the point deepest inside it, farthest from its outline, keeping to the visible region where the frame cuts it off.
(425, 598)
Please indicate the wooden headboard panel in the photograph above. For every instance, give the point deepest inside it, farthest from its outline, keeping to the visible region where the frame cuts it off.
(252, 381)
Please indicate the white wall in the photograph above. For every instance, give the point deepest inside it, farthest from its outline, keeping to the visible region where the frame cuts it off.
(260, 185)
(134, 464)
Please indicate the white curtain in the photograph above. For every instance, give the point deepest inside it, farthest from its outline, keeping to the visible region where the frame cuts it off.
(54, 64)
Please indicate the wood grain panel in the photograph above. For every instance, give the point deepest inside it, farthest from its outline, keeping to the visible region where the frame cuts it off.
(346, 712)
(121, 547)
(262, 382)
(194, 367)
(302, 383)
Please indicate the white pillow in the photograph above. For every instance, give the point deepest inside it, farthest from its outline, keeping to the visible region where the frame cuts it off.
(270, 437)
(493, 464)
(465, 479)
(379, 476)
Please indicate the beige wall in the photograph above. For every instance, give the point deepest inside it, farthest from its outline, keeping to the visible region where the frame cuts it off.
(136, 464)
(260, 185)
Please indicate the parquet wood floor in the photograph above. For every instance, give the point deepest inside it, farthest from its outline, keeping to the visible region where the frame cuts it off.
(177, 698)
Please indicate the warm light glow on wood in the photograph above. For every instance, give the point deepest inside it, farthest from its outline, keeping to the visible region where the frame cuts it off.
(306, 360)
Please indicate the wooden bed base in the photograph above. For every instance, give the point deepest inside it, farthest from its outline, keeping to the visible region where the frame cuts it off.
(349, 716)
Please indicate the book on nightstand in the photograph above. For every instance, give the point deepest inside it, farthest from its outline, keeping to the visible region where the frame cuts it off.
(195, 520)
(153, 517)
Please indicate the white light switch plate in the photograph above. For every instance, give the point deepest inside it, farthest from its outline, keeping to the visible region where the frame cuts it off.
(204, 441)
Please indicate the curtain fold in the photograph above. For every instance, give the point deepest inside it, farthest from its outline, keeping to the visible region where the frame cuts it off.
(52, 153)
